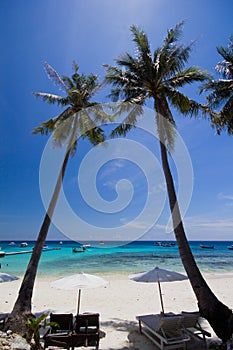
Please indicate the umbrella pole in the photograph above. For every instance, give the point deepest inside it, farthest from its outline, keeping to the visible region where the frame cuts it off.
(161, 298)
(79, 298)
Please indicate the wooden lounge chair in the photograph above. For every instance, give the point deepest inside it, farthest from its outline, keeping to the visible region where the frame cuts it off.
(61, 335)
(164, 331)
(192, 326)
(86, 325)
(60, 340)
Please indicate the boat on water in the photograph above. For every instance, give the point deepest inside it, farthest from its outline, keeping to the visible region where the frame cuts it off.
(164, 244)
(159, 244)
(230, 247)
(169, 244)
(78, 249)
(206, 246)
(23, 244)
(11, 243)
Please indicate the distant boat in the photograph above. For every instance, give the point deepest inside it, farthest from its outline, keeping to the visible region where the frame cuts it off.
(86, 245)
(164, 244)
(23, 244)
(230, 247)
(158, 244)
(206, 246)
(169, 244)
(11, 243)
(60, 242)
(101, 242)
(78, 250)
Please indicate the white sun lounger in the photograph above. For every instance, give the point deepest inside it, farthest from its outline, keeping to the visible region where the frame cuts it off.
(164, 331)
(192, 325)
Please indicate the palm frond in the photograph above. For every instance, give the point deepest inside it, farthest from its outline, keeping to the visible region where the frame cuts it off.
(182, 103)
(50, 125)
(88, 128)
(99, 114)
(174, 34)
(225, 67)
(173, 59)
(132, 111)
(187, 76)
(54, 76)
(45, 127)
(141, 40)
(221, 90)
(52, 98)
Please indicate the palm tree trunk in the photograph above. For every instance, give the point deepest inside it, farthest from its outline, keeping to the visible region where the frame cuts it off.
(22, 308)
(218, 315)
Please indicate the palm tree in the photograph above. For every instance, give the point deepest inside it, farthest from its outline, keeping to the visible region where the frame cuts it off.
(159, 76)
(66, 127)
(221, 95)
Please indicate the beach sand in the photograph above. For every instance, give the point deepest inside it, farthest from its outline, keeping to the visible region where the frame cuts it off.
(119, 303)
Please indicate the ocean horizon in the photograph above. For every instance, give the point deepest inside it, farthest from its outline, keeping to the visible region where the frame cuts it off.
(58, 258)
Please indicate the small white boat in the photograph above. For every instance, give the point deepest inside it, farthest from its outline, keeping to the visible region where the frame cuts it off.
(23, 244)
(11, 243)
(230, 247)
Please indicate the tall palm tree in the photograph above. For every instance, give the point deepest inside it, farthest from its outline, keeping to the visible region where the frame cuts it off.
(66, 127)
(221, 95)
(159, 76)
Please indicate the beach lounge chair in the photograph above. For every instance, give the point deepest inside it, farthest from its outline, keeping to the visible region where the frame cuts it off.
(192, 325)
(87, 326)
(60, 340)
(60, 335)
(166, 332)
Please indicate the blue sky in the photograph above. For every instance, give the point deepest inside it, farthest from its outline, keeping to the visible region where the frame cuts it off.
(93, 33)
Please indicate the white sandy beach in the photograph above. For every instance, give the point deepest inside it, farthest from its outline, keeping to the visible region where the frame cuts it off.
(119, 303)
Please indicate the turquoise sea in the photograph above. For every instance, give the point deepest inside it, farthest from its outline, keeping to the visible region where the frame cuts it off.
(103, 258)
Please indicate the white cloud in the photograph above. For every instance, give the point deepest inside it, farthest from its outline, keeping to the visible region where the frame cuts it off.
(225, 196)
(208, 222)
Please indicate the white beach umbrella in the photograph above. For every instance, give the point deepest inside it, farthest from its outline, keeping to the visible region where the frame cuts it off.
(78, 282)
(5, 277)
(158, 275)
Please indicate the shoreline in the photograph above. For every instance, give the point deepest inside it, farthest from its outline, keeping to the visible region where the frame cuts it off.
(119, 303)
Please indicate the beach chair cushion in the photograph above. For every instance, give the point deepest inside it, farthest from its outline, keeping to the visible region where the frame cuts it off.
(165, 332)
(192, 323)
